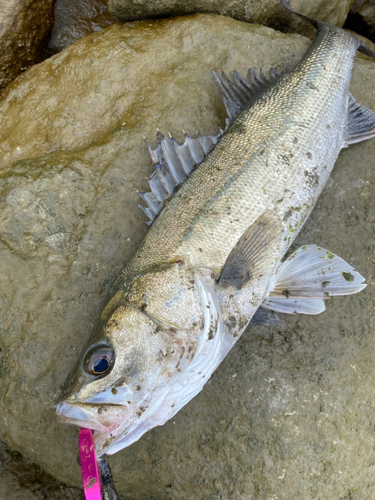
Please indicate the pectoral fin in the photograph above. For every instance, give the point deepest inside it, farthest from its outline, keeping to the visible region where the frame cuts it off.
(254, 252)
(307, 278)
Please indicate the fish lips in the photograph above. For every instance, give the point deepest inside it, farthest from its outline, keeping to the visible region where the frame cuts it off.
(98, 417)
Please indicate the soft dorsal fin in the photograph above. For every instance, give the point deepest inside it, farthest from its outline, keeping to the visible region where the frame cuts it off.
(173, 161)
(361, 122)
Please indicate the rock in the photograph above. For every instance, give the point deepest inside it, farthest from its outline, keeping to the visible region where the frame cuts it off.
(74, 20)
(266, 12)
(289, 413)
(363, 11)
(20, 480)
(25, 27)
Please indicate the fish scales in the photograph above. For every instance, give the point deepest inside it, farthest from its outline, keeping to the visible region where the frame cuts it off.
(212, 259)
(236, 174)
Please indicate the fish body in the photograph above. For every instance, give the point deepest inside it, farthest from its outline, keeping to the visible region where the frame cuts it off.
(213, 254)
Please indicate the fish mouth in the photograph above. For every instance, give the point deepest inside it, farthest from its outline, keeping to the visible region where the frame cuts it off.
(90, 417)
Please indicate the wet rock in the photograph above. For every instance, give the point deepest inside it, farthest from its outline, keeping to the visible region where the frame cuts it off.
(20, 480)
(266, 12)
(25, 27)
(74, 20)
(363, 14)
(289, 413)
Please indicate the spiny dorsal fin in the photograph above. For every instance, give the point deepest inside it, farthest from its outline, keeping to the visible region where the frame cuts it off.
(307, 278)
(172, 164)
(174, 161)
(361, 122)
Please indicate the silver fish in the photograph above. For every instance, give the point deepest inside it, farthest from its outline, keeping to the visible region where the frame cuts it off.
(212, 259)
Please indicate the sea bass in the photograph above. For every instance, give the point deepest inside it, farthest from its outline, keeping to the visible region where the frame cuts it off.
(212, 259)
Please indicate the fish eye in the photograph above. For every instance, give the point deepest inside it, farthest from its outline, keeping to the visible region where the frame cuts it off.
(99, 361)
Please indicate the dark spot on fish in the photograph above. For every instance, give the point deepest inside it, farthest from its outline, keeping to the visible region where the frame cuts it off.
(325, 283)
(140, 411)
(284, 158)
(232, 321)
(211, 333)
(190, 348)
(114, 390)
(172, 406)
(200, 249)
(138, 388)
(238, 128)
(348, 276)
(295, 140)
(120, 382)
(287, 215)
(311, 85)
(328, 125)
(286, 292)
(309, 155)
(129, 403)
(194, 323)
(143, 307)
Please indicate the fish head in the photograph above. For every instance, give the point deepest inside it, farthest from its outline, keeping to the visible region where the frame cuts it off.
(133, 373)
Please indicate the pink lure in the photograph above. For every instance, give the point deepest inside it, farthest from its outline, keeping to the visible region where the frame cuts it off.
(89, 465)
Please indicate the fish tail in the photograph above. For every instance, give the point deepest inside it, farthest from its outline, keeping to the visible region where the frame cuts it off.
(319, 25)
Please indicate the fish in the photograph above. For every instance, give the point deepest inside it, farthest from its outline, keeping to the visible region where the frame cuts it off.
(224, 210)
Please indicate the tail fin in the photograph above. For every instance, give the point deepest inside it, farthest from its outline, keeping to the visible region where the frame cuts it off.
(319, 24)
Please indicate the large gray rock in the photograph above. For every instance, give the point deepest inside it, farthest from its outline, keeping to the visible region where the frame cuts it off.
(266, 12)
(25, 27)
(289, 413)
(74, 20)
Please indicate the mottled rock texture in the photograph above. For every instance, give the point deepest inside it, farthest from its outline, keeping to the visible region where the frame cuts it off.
(74, 20)
(266, 12)
(290, 413)
(25, 27)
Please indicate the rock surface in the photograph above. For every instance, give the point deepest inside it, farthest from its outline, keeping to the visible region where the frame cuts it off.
(20, 480)
(265, 12)
(366, 10)
(25, 27)
(290, 412)
(74, 20)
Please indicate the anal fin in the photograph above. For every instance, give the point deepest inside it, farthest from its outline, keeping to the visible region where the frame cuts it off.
(361, 122)
(307, 278)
